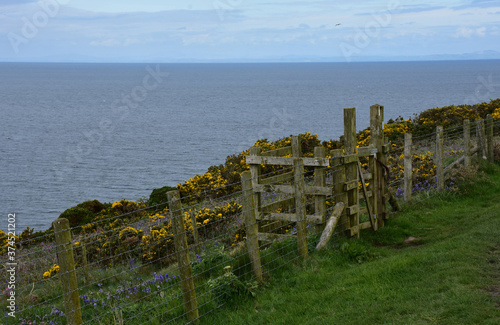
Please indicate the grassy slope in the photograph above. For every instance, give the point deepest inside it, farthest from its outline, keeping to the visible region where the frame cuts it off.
(444, 277)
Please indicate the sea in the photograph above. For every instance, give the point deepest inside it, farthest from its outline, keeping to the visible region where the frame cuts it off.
(73, 132)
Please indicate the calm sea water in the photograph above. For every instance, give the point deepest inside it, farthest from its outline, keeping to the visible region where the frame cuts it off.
(76, 132)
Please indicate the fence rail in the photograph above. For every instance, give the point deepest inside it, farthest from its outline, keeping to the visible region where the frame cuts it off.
(155, 265)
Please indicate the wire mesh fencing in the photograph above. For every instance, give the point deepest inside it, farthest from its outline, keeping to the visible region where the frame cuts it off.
(185, 257)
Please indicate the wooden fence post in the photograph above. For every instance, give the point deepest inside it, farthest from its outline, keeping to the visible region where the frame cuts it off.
(351, 170)
(64, 248)
(481, 138)
(319, 180)
(467, 154)
(300, 206)
(339, 181)
(439, 158)
(379, 181)
(489, 139)
(408, 166)
(181, 247)
(251, 224)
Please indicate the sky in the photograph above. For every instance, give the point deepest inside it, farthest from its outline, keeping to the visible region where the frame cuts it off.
(245, 30)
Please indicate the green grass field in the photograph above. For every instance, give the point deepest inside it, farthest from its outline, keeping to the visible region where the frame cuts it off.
(448, 274)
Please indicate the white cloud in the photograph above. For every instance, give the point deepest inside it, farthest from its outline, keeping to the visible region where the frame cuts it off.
(466, 32)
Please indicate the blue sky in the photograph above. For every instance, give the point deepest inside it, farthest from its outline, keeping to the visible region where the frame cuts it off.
(234, 30)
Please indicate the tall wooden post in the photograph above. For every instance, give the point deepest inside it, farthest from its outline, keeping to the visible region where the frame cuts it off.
(296, 146)
(319, 180)
(490, 155)
(351, 169)
(181, 248)
(408, 166)
(339, 181)
(67, 271)
(439, 158)
(467, 154)
(481, 142)
(251, 225)
(377, 140)
(300, 206)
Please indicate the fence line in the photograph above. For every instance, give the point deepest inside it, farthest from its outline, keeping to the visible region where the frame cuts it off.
(180, 263)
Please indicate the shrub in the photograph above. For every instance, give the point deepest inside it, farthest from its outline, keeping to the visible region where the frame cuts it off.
(77, 216)
(159, 195)
(227, 288)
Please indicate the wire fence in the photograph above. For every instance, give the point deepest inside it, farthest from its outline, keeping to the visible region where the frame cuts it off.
(179, 260)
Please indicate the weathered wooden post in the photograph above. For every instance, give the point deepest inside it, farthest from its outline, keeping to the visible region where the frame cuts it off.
(251, 225)
(319, 180)
(490, 155)
(181, 248)
(300, 196)
(300, 206)
(351, 169)
(408, 166)
(481, 138)
(67, 271)
(467, 154)
(339, 183)
(378, 180)
(439, 158)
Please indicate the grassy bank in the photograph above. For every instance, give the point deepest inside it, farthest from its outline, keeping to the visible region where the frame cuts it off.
(448, 274)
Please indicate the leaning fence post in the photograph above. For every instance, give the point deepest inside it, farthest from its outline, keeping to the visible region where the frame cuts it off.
(67, 271)
(467, 143)
(251, 224)
(300, 206)
(408, 166)
(439, 158)
(181, 247)
(489, 139)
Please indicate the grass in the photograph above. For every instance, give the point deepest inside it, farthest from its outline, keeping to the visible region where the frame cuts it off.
(449, 274)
